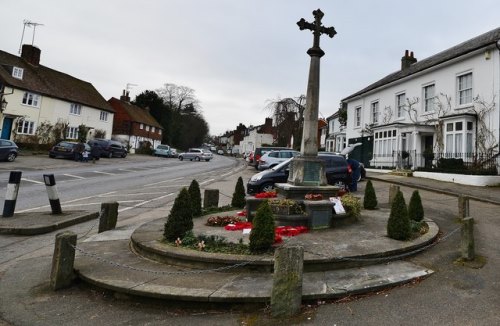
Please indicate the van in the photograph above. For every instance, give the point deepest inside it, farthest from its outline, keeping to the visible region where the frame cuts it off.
(162, 150)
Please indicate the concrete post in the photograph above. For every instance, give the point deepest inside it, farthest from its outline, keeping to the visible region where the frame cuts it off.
(108, 216)
(11, 196)
(62, 273)
(286, 295)
(393, 191)
(463, 206)
(211, 198)
(467, 240)
(50, 185)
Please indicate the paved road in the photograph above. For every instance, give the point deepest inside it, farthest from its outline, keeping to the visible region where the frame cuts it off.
(454, 295)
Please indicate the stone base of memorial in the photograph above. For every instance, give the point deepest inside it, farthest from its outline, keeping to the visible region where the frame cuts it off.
(252, 204)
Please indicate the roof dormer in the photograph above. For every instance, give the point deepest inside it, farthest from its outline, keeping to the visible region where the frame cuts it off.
(17, 72)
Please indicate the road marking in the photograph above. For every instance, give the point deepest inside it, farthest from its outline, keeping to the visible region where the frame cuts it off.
(207, 181)
(177, 179)
(127, 170)
(135, 194)
(65, 203)
(34, 181)
(145, 202)
(157, 183)
(107, 173)
(74, 176)
(170, 186)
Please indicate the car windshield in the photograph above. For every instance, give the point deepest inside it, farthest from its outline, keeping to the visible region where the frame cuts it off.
(282, 164)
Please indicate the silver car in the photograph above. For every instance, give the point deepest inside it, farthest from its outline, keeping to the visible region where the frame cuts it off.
(196, 154)
(273, 158)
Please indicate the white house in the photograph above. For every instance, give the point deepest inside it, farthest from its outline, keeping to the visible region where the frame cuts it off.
(256, 136)
(336, 138)
(37, 96)
(446, 105)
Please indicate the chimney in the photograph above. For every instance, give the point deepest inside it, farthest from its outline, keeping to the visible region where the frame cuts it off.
(31, 54)
(125, 96)
(407, 60)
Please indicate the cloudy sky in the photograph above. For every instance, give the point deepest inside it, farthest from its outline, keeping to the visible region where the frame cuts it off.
(238, 54)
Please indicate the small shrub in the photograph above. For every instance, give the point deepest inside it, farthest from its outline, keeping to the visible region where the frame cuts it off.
(222, 220)
(415, 208)
(195, 195)
(370, 199)
(262, 234)
(285, 206)
(398, 225)
(180, 219)
(351, 205)
(239, 194)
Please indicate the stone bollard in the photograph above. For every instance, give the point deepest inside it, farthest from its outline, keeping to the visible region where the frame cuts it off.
(467, 239)
(211, 198)
(286, 295)
(108, 216)
(62, 273)
(463, 206)
(393, 190)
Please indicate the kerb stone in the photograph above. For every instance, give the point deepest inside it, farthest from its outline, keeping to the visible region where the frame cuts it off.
(62, 273)
(108, 216)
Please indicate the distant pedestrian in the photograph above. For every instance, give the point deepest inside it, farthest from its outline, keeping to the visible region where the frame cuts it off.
(95, 152)
(356, 173)
(78, 150)
(85, 156)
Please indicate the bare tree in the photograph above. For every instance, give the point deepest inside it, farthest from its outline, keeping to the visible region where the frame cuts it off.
(410, 108)
(387, 117)
(485, 138)
(288, 114)
(176, 97)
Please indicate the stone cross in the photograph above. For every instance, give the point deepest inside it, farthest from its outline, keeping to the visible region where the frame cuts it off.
(317, 28)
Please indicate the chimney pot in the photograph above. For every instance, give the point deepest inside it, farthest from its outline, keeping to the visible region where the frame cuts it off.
(31, 54)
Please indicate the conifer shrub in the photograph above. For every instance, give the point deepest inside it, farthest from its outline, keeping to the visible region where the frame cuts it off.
(398, 225)
(239, 194)
(370, 199)
(415, 208)
(262, 234)
(195, 195)
(180, 219)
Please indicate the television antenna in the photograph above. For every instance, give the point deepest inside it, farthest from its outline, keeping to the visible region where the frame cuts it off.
(129, 86)
(30, 24)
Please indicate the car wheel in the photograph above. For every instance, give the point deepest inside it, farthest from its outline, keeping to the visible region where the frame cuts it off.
(124, 155)
(110, 155)
(11, 157)
(52, 156)
(267, 187)
(197, 158)
(181, 158)
(207, 160)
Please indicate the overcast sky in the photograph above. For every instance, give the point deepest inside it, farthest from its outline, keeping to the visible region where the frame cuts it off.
(237, 55)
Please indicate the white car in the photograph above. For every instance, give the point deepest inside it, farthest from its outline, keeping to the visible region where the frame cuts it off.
(273, 158)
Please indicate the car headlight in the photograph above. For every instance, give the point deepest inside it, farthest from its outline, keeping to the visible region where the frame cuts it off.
(256, 177)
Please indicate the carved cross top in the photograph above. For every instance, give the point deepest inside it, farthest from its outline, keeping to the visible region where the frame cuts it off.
(316, 27)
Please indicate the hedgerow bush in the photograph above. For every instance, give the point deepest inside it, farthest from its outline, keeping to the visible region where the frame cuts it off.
(398, 225)
(239, 194)
(262, 234)
(180, 219)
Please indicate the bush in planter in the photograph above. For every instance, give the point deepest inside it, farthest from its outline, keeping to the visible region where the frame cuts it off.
(262, 234)
(370, 199)
(351, 205)
(239, 195)
(415, 208)
(285, 206)
(398, 225)
(180, 219)
(195, 195)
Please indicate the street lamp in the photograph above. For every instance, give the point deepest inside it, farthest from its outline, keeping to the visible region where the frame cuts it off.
(3, 105)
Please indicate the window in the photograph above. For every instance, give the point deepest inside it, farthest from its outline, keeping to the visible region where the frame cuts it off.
(400, 104)
(75, 109)
(374, 106)
(104, 116)
(72, 133)
(141, 126)
(464, 89)
(17, 73)
(459, 140)
(159, 131)
(147, 128)
(357, 117)
(152, 129)
(429, 98)
(31, 99)
(25, 127)
(384, 143)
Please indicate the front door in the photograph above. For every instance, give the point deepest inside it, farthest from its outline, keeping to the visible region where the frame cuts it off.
(6, 128)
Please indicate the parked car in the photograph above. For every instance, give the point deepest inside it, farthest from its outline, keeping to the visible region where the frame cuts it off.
(65, 149)
(259, 151)
(196, 154)
(273, 158)
(8, 150)
(109, 148)
(336, 168)
(163, 150)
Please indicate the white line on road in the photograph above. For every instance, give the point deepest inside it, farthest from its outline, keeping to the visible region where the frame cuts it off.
(127, 170)
(65, 203)
(74, 176)
(107, 173)
(135, 194)
(207, 181)
(145, 202)
(34, 181)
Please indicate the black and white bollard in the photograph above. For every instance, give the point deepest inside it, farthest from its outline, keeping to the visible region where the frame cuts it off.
(50, 185)
(11, 195)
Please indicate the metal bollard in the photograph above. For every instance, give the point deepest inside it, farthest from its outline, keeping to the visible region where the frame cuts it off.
(50, 185)
(11, 195)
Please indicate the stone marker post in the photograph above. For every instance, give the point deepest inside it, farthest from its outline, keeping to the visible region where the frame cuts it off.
(62, 273)
(286, 295)
(467, 240)
(211, 198)
(11, 196)
(463, 206)
(108, 216)
(393, 191)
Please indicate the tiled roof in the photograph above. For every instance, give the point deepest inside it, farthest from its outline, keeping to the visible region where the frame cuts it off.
(471, 45)
(135, 113)
(49, 82)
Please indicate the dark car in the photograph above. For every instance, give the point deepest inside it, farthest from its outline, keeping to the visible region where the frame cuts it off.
(259, 151)
(65, 149)
(8, 150)
(336, 167)
(109, 148)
